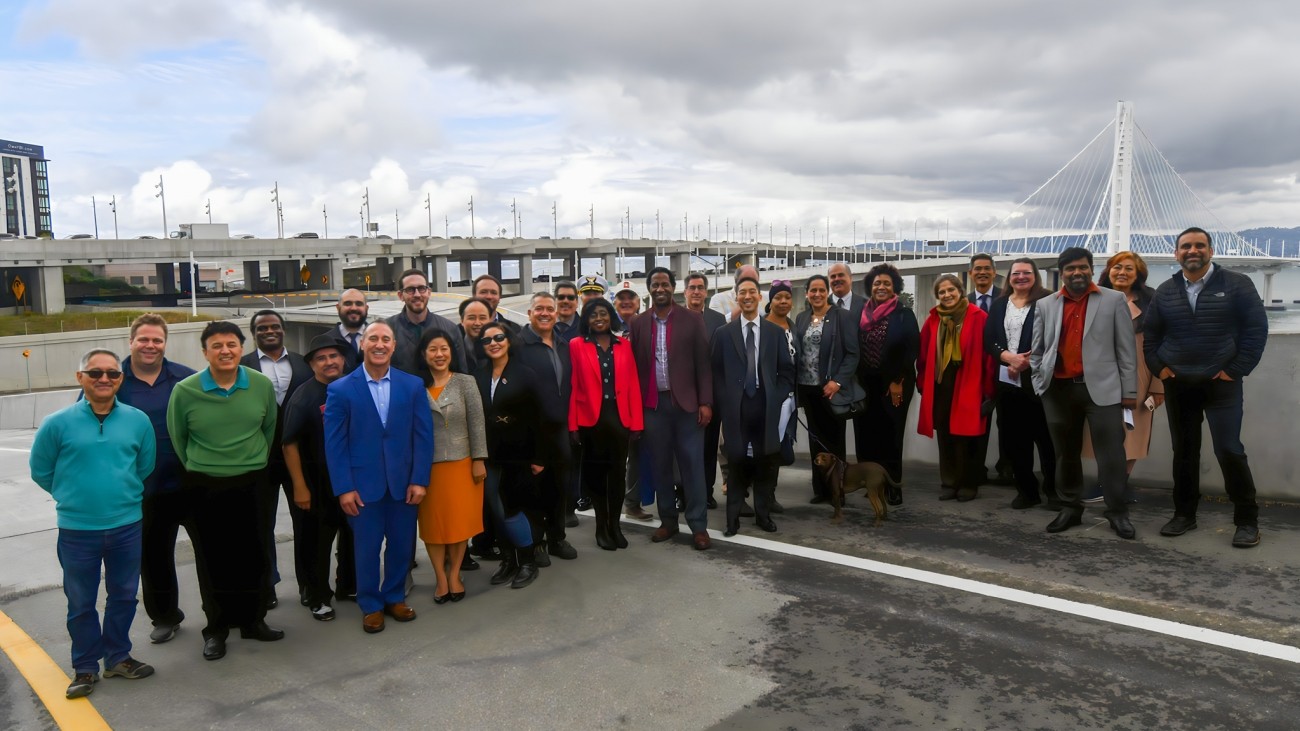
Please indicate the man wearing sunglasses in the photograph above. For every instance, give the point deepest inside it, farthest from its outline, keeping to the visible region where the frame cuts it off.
(93, 458)
(415, 317)
(566, 310)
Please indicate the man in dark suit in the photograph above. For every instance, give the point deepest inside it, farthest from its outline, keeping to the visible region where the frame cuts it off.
(547, 354)
(672, 359)
(697, 300)
(488, 288)
(1084, 365)
(379, 449)
(842, 294)
(353, 311)
(982, 274)
(753, 375)
(287, 372)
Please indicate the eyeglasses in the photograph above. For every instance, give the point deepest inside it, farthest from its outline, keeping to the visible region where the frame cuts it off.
(97, 373)
(498, 338)
(419, 289)
(566, 297)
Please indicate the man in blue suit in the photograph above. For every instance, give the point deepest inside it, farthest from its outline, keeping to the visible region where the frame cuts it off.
(379, 448)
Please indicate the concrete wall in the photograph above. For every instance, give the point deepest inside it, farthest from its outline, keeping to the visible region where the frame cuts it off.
(55, 357)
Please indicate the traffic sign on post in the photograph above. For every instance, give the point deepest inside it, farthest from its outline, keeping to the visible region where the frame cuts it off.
(18, 288)
(306, 274)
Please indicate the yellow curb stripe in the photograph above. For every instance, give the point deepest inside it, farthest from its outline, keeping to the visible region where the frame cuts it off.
(47, 679)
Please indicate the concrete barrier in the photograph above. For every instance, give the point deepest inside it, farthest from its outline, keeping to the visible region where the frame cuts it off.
(28, 410)
(56, 356)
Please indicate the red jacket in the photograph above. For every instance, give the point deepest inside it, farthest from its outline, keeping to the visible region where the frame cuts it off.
(584, 403)
(975, 376)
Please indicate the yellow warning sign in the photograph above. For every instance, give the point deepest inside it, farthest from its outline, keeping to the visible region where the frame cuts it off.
(324, 279)
(18, 288)
(306, 274)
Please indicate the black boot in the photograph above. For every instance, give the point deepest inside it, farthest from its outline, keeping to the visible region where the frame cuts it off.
(603, 538)
(509, 567)
(528, 570)
(615, 503)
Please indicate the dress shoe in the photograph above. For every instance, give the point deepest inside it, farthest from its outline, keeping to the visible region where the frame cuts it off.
(400, 611)
(272, 601)
(711, 503)
(373, 622)
(638, 514)
(456, 596)
(261, 631)
(776, 507)
(469, 564)
(214, 648)
(322, 613)
(768, 526)
(966, 494)
(442, 599)
(746, 511)
(819, 500)
(571, 521)
(163, 633)
(1177, 526)
(1067, 518)
(1023, 502)
(562, 550)
(1122, 527)
(540, 557)
(663, 533)
(730, 531)
(894, 495)
(504, 574)
(582, 503)
(947, 493)
(1247, 536)
(527, 574)
(702, 541)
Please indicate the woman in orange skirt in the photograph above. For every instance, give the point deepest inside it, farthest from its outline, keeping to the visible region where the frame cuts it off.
(452, 511)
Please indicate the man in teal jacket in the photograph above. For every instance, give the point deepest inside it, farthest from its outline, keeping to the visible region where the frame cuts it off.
(93, 458)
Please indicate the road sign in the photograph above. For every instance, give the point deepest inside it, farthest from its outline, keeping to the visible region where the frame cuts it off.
(367, 280)
(18, 288)
(324, 279)
(306, 274)
(27, 353)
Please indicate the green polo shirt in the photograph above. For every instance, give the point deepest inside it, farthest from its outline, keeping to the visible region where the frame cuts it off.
(222, 432)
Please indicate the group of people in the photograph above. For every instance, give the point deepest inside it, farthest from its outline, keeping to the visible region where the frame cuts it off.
(482, 437)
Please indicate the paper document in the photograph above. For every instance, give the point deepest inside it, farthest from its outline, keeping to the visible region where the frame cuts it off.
(1128, 419)
(787, 412)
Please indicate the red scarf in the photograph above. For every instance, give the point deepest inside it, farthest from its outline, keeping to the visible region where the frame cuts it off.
(874, 313)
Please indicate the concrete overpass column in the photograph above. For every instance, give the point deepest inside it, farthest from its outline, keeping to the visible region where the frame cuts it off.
(252, 275)
(923, 295)
(680, 264)
(186, 277)
(166, 274)
(1268, 286)
(650, 263)
(284, 272)
(438, 277)
(48, 297)
(525, 274)
(611, 268)
(494, 266)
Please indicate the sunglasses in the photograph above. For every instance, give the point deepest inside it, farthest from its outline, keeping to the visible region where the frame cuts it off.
(785, 282)
(421, 289)
(97, 373)
(498, 338)
(566, 297)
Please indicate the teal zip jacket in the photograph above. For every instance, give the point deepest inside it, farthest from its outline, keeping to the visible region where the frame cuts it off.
(95, 472)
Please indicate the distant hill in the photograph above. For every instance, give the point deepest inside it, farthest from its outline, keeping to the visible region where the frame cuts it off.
(1273, 239)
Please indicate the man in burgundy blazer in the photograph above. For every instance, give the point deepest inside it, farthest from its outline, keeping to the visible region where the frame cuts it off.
(671, 349)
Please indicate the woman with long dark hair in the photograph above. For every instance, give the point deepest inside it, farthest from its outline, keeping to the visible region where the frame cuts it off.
(452, 511)
(1022, 425)
(604, 414)
(955, 377)
(826, 340)
(512, 409)
(888, 339)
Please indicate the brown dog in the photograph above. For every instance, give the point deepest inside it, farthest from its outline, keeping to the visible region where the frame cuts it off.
(845, 478)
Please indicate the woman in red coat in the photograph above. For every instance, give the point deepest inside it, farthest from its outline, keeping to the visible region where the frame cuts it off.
(955, 377)
(604, 414)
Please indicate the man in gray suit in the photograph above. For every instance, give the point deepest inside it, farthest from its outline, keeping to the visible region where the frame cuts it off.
(1084, 365)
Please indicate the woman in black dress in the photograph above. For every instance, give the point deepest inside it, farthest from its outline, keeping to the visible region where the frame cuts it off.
(888, 338)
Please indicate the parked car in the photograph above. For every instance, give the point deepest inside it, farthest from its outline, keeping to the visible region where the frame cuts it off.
(244, 236)
(307, 235)
(146, 236)
(82, 236)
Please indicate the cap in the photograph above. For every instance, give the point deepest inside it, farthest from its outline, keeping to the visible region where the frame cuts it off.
(320, 342)
(625, 286)
(591, 283)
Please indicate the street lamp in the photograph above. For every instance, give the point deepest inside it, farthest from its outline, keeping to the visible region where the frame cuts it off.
(428, 209)
(162, 194)
(471, 217)
(365, 205)
(94, 210)
(326, 214)
(112, 204)
(279, 212)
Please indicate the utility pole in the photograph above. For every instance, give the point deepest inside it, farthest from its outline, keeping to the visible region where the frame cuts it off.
(591, 219)
(162, 194)
(365, 204)
(324, 213)
(555, 221)
(397, 225)
(471, 217)
(208, 210)
(94, 210)
(279, 212)
(514, 217)
(428, 209)
(112, 204)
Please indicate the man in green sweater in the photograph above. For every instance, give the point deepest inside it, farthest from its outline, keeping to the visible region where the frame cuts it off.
(93, 458)
(222, 422)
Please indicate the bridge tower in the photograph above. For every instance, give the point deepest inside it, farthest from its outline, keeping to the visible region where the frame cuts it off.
(1121, 180)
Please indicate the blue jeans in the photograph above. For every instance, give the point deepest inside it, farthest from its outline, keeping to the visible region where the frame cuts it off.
(673, 436)
(82, 553)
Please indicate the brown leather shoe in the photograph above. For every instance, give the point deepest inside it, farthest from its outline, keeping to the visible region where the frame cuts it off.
(373, 622)
(400, 612)
(662, 534)
(702, 541)
(638, 514)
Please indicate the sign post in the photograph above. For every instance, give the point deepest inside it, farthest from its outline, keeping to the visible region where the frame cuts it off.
(27, 361)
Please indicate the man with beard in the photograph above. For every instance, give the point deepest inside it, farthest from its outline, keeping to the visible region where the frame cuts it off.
(303, 442)
(415, 317)
(1084, 366)
(287, 372)
(672, 358)
(1204, 332)
(353, 311)
(488, 288)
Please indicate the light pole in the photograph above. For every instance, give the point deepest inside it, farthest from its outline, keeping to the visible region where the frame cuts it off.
(428, 209)
(446, 226)
(555, 221)
(514, 217)
(326, 214)
(365, 205)
(397, 225)
(279, 213)
(162, 195)
(94, 210)
(208, 210)
(591, 219)
(471, 217)
(112, 204)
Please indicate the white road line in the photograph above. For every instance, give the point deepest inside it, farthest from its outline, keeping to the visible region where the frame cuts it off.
(1091, 611)
(12, 449)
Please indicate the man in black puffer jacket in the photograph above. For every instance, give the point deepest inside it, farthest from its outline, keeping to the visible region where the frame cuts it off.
(1204, 332)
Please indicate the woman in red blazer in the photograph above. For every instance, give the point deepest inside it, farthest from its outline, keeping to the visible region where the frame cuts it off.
(604, 414)
(955, 377)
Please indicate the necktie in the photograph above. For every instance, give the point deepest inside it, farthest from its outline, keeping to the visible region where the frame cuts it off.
(984, 302)
(751, 362)
(352, 339)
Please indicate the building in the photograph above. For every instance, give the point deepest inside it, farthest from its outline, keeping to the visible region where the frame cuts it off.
(26, 206)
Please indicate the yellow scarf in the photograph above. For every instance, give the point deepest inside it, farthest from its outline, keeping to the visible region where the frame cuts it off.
(950, 323)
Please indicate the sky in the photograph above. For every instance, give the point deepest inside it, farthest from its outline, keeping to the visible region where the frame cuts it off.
(783, 117)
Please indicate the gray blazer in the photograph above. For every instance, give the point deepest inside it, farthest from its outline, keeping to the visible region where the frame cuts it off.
(1109, 346)
(458, 425)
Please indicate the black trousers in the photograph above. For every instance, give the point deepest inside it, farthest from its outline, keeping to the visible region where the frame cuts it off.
(164, 514)
(826, 433)
(604, 457)
(553, 494)
(1220, 403)
(1022, 426)
(229, 539)
(304, 527)
(511, 488)
(961, 465)
(330, 523)
(758, 472)
(878, 434)
(1069, 409)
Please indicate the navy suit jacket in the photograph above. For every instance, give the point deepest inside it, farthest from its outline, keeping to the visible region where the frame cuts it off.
(775, 372)
(366, 456)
